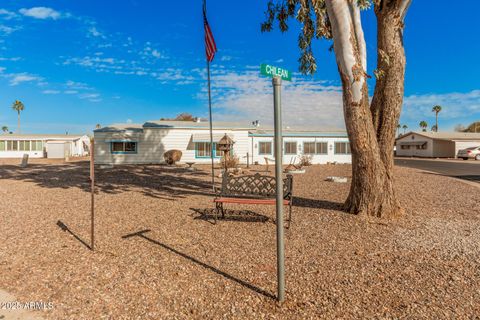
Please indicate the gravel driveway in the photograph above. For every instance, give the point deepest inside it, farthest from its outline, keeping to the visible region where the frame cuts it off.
(423, 265)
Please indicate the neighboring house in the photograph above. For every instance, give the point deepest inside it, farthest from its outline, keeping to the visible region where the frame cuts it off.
(43, 145)
(435, 144)
(137, 143)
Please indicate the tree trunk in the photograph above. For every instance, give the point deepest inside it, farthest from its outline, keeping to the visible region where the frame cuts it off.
(18, 121)
(371, 129)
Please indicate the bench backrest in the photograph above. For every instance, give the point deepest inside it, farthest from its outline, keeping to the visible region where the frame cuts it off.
(257, 186)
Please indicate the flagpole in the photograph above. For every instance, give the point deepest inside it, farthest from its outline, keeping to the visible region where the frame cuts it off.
(210, 107)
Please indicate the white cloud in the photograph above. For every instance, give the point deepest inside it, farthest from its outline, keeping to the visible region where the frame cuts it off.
(7, 30)
(7, 14)
(226, 58)
(10, 59)
(455, 105)
(70, 91)
(16, 79)
(93, 31)
(157, 54)
(50, 92)
(305, 103)
(41, 13)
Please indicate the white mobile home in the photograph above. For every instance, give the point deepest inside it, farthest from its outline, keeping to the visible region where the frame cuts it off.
(43, 145)
(435, 144)
(146, 143)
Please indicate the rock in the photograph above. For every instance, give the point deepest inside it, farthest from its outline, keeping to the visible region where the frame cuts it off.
(337, 179)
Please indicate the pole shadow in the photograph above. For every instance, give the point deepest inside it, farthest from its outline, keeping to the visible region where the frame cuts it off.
(62, 226)
(230, 215)
(247, 285)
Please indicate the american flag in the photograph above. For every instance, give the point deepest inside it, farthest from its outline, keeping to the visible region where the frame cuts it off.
(210, 46)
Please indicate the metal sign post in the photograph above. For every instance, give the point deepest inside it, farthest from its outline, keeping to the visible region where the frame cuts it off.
(277, 75)
(277, 110)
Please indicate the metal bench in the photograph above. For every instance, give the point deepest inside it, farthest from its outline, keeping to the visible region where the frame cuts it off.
(252, 189)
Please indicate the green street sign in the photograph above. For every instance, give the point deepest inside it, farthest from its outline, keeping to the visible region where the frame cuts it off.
(272, 71)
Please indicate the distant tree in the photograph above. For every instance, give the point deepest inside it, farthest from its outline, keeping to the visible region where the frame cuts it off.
(5, 129)
(399, 126)
(434, 128)
(437, 110)
(459, 128)
(184, 117)
(474, 127)
(19, 107)
(404, 127)
(423, 125)
(98, 126)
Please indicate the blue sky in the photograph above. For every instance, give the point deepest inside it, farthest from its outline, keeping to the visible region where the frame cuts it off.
(78, 63)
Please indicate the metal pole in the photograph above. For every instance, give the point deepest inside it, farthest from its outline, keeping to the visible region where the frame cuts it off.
(92, 188)
(211, 124)
(277, 110)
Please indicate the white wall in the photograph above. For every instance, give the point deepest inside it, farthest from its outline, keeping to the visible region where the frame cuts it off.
(412, 151)
(154, 142)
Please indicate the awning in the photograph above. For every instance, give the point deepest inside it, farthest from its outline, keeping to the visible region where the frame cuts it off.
(413, 143)
(205, 137)
(121, 137)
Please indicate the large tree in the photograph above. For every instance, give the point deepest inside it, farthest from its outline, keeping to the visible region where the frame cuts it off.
(371, 126)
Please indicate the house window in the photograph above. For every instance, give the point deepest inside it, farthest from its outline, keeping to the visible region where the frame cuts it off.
(404, 147)
(422, 146)
(309, 147)
(123, 147)
(3, 145)
(12, 145)
(264, 148)
(37, 145)
(342, 148)
(202, 150)
(322, 148)
(291, 147)
(24, 145)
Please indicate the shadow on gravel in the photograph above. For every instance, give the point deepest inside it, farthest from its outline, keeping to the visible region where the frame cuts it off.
(62, 226)
(142, 235)
(230, 215)
(157, 181)
(317, 204)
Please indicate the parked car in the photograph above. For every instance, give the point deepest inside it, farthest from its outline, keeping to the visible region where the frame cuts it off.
(469, 153)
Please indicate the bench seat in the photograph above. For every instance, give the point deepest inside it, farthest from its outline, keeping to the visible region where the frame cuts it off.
(249, 201)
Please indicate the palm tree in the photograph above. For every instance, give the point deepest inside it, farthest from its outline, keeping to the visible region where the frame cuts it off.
(19, 107)
(404, 127)
(5, 129)
(434, 128)
(437, 110)
(398, 129)
(423, 125)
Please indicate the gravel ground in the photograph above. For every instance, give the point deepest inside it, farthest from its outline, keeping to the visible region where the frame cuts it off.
(423, 265)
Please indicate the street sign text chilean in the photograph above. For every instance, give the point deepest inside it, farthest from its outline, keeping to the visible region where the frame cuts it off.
(271, 71)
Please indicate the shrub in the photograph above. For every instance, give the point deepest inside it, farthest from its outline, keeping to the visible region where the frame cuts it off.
(230, 162)
(172, 156)
(305, 160)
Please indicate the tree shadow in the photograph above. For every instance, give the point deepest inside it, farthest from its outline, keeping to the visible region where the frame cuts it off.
(318, 204)
(65, 228)
(142, 235)
(157, 181)
(230, 215)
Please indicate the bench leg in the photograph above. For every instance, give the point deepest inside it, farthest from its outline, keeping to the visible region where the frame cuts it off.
(289, 214)
(217, 208)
